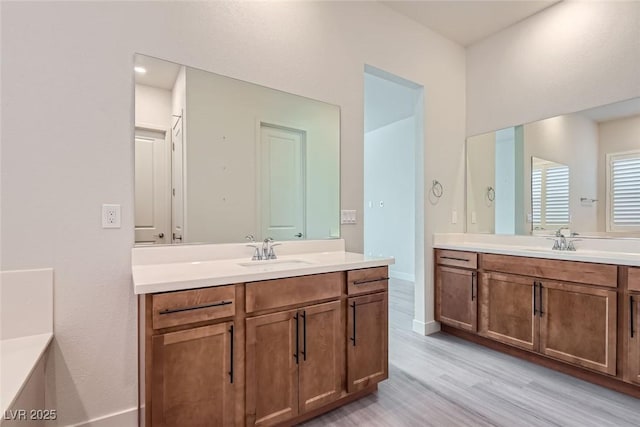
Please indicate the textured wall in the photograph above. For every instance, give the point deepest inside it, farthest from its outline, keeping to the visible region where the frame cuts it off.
(569, 57)
(67, 131)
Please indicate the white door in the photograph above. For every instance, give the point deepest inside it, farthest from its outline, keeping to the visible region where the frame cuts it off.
(151, 187)
(177, 183)
(283, 185)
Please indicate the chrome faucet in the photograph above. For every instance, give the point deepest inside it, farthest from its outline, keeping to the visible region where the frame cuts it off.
(561, 243)
(267, 249)
(257, 255)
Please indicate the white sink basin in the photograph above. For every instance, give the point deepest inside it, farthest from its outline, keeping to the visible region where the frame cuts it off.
(280, 263)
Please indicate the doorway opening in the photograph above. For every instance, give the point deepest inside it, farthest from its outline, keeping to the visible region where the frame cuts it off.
(394, 183)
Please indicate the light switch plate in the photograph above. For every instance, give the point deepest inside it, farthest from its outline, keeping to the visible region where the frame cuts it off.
(454, 217)
(110, 216)
(347, 216)
(474, 217)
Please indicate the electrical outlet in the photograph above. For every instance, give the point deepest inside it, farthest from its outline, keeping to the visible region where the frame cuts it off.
(110, 216)
(347, 216)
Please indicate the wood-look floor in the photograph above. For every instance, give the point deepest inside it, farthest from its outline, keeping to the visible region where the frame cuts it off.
(441, 380)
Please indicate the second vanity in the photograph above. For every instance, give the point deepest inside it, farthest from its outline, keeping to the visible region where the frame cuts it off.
(576, 312)
(229, 341)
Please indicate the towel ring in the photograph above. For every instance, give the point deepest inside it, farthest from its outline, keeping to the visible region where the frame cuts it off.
(436, 188)
(491, 194)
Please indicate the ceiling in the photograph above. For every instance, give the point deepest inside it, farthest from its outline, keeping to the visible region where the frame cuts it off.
(160, 73)
(467, 22)
(618, 110)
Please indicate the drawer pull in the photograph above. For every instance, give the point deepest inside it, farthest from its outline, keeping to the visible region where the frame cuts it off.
(195, 307)
(231, 355)
(452, 258)
(473, 285)
(363, 282)
(353, 338)
(631, 315)
(541, 298)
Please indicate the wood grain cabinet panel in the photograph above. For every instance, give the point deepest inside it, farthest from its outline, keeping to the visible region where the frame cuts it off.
(192, 377)
(507, 310)
(578, 325)
(321, 357)
(633, 279)
(272, 368)
(367, 346)
(456, 297)
(192, 306)
(367, 280)
(632, 335)
(457, 258)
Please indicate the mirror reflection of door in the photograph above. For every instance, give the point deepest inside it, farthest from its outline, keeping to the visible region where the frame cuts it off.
(282, 182)
(151, 191)
(177, 184)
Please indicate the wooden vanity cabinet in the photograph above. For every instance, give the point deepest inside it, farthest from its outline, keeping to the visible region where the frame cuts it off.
(507, 310)
(572, 322)
(191, 358)
(294, 358)
(294, 362)
(367, 327)
(272, 352)
(456, 289)
(631, 327)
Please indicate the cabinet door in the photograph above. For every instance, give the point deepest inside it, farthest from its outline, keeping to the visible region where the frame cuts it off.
(507, 310)
(578, 325)
(191, 377)
(632, 367)
(456, 304)
(321, 355)
(367, 346)
(272, 368)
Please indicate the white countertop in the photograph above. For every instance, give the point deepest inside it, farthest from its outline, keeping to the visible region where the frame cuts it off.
(602, 251)
(18, 358)
(163, 277)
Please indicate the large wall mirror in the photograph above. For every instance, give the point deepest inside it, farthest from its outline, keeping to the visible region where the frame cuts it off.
(217, 159)
(579, 170)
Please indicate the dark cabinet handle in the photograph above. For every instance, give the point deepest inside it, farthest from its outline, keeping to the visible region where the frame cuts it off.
(295, 355)
(473, 285)
(231, 355)
(535, 298)
(304, 335)
(353, 338)
(631, 315)
(362, 282)
(196, 307)
(454, 258)
(541, 298)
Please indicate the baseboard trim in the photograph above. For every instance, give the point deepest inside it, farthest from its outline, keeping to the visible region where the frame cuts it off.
(402, 276)
(126, 418)
(428, 328)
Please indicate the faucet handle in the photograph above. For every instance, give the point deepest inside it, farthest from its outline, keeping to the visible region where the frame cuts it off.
(250, 238)
(257, 256)
(571, 246)
(556, 244)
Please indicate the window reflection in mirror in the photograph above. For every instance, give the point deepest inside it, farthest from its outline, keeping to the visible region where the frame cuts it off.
(217, 159)
(599, 149)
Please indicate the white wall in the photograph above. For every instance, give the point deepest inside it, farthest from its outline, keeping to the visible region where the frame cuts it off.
(481, 166)
(569, 57)
(152, 106)
(615, 136)
(390, 178)
(67, 126)
(571, 140)
(223, 119)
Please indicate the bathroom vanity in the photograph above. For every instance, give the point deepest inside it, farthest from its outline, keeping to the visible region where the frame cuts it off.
(573, 312)
(229, 341)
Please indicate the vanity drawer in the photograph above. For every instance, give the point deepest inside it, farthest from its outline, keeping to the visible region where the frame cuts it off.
(192, 306)
(367, 280)
(457, 258)
(269, 294)
(569, 271)
(634, 279)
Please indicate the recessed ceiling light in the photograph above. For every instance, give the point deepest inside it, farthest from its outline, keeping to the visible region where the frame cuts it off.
(140, 70)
